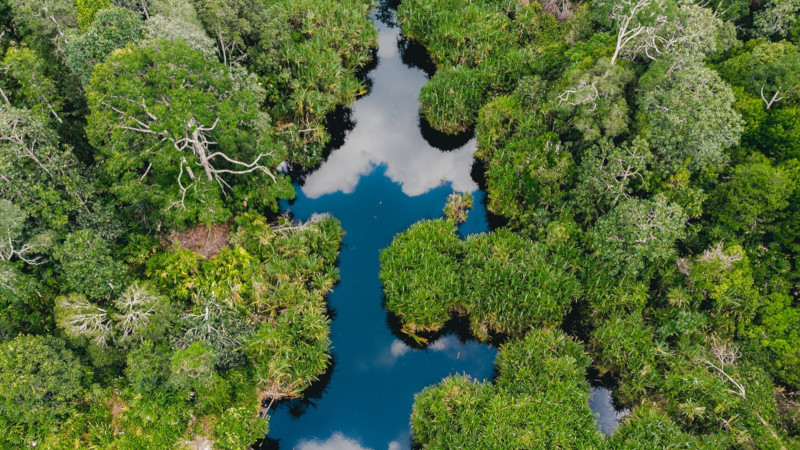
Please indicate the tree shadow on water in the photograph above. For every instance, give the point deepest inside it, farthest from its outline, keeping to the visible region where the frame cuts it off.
(414, 55)
(443, 141)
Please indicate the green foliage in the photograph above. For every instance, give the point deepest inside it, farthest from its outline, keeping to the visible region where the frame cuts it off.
(458, 206)
(780, 137)
(775, 331)
(177, 29)
(477, 47)
(777, 18)
(752, 199)
(263, 299)
(44, 177)
(87, 10)
(420, 274)
(637, 237)
(219, 325)
(504, 282)
(192, 368)
(539, 400)
(31, 86)
(610, 173)
(647, 427)
(22, 308)
(41, 384)
(451, 99)
(306, 53)
(623, 346)
(87, 265)
(151, 131)
(511, 284)
(721, 282)
(527, 167)
(112, 28)
(46, 21)
(768, 70)
(688, 116)
(593, 98)
(707, 387)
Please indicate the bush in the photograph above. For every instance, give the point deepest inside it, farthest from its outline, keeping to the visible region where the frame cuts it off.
(540, 400)
(420, 274)
(511, 284)
(451, 99)
(504, 282)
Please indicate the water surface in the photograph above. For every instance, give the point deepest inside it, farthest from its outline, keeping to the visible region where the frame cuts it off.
(383, 179)
(385, 176)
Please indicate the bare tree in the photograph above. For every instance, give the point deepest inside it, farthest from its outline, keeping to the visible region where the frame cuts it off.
(80, 318)
(12, 219)
(136, 308)
(633, 19)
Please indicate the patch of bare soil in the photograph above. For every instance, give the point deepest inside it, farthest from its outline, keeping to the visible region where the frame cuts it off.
(203, 239)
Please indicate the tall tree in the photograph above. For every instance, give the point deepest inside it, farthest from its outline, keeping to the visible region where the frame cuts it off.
(183, 133)
(688, 116)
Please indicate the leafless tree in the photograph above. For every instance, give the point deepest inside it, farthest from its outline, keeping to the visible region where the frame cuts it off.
(80, 318)
(136, 308)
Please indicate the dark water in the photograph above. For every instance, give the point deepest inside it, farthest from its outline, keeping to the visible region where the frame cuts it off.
(385, 177)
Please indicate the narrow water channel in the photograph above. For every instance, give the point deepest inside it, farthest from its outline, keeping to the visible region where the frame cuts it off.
(385, 177)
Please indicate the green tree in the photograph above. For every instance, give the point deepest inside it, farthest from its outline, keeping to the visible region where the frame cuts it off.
(219, 325)
(721, 284)
(767, 70)
(87, 265)
(162, 112)
(140, 314)
(648, 427)
(34, 90)
(111, 29)
(511, 284)
(637, 237)
(41, 384)
(539, 400)
(419, 272)
(48, 20)
(753, 198)
(41, 176)
(777, 18)
(87, 9)
(775, 331)
(688, 116)
(609, 174)
(175, 29)
(594, 99)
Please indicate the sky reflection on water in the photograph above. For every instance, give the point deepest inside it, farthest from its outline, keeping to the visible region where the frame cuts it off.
(387, 134)
(384, 178)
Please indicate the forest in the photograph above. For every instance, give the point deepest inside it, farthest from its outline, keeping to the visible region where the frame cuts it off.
(642, 159)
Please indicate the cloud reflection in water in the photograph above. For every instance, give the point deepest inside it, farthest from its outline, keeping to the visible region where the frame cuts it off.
(409, 159)
(338, 441)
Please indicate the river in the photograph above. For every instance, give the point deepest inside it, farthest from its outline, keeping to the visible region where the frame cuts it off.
(384, 177)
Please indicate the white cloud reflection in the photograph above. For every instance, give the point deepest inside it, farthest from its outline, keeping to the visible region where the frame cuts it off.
(387, 134)
(398, 348)
(449, 345)
(337, 441)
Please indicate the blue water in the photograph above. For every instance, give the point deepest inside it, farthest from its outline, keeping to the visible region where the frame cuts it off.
(385, 177)
(375, 374)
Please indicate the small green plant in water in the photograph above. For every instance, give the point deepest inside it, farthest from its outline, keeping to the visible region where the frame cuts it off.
(458, 206)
